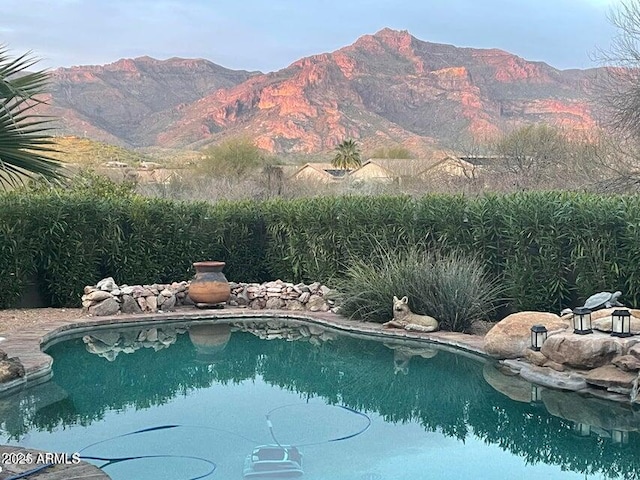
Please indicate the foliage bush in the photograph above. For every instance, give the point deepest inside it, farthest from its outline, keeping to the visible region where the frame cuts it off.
(233, 157)
(453, 288)
(550, 250)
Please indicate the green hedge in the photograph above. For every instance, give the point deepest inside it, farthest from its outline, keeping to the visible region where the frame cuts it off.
(550, 249)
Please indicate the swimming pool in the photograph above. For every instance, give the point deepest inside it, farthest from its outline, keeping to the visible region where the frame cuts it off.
(183, 403)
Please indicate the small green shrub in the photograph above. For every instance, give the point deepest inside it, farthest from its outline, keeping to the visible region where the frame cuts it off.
(452, 287)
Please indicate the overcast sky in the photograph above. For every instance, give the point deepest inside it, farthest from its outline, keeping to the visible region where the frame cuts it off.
(268, 35)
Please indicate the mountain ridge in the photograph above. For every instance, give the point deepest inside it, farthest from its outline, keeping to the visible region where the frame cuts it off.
(387, 87)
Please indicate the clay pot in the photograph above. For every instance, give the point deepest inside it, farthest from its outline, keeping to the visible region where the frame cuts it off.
(210, 339)
(209, 287)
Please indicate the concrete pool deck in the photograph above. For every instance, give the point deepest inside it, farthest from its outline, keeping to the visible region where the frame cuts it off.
(28, 343)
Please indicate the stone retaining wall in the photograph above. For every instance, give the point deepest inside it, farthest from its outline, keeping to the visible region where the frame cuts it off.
(107, 298)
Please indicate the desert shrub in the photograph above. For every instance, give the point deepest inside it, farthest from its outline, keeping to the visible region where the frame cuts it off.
(452, 287)
(233, 157)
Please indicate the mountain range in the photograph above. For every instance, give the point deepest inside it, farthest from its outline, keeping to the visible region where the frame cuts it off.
(385, 89)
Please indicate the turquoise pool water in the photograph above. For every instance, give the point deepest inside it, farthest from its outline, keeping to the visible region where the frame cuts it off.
(204, 398)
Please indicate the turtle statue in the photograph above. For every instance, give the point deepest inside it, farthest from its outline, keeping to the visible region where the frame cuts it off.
(603, 300)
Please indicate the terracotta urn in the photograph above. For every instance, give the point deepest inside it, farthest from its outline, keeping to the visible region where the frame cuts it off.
(210, 339)
(209, 287)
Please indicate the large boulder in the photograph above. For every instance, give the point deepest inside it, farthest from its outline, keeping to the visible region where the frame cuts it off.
(10, 369)
(110, 306)
(511, 337)
(130, 305)
(601, 320)
(628, 363)
(548, 377)
(612, 378)
(596, 412)
(585, 351)
(513, 386)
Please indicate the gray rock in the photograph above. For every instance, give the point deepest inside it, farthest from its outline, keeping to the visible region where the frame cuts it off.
(513, 386)
(108, 337)
(96, 296)
(258, 304)
(169, 303)
(108, 284)
(129, 305)
(187, 300)
(274, 303)
(591, 411)
(550, 378)
(242, 301)
(585, 351)
(294, 305)
(138, 291)
(127, 290)
(612, 378)
(97, 347)
(10, 369)
(152, 335)
(628, 363)
(110, 355)
(142, 302)
(317, 304)
(106, 307)
(152, 304)
(304, 297)
(178, 287)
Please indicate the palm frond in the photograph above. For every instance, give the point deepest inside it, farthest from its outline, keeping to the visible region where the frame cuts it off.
(25, 138)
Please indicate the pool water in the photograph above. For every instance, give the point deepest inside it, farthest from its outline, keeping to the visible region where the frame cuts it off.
(181, 403)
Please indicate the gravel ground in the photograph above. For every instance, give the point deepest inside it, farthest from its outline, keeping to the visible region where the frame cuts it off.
(13, 320)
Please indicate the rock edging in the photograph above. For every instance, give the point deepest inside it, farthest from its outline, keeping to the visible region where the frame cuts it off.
(599, 363)
(107, 298)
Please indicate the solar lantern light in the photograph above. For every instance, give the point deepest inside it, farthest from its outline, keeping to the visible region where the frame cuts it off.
(582, 321)
(621, 323)
(536, 393)
(620, 436)
(538, 336)
(582, 429)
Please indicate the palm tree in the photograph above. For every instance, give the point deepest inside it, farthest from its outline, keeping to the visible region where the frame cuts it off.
(24, 138)
(347, 155)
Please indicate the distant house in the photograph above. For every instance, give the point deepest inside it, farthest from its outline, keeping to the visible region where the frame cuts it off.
(116, 164)
(452, 166)
(484, 160)
(319, 172)
(400, 170)
(162, 176)
(150, 165)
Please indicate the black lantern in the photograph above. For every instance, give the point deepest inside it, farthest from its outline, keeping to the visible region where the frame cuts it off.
(620, 436)
(538, 336)
(621, 323)
(582, 321)
(582, 429)
(536, 393)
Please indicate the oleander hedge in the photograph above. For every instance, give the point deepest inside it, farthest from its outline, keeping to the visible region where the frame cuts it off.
(550, 249)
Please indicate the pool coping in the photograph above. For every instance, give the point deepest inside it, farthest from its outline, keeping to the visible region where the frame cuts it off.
(28, 344)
